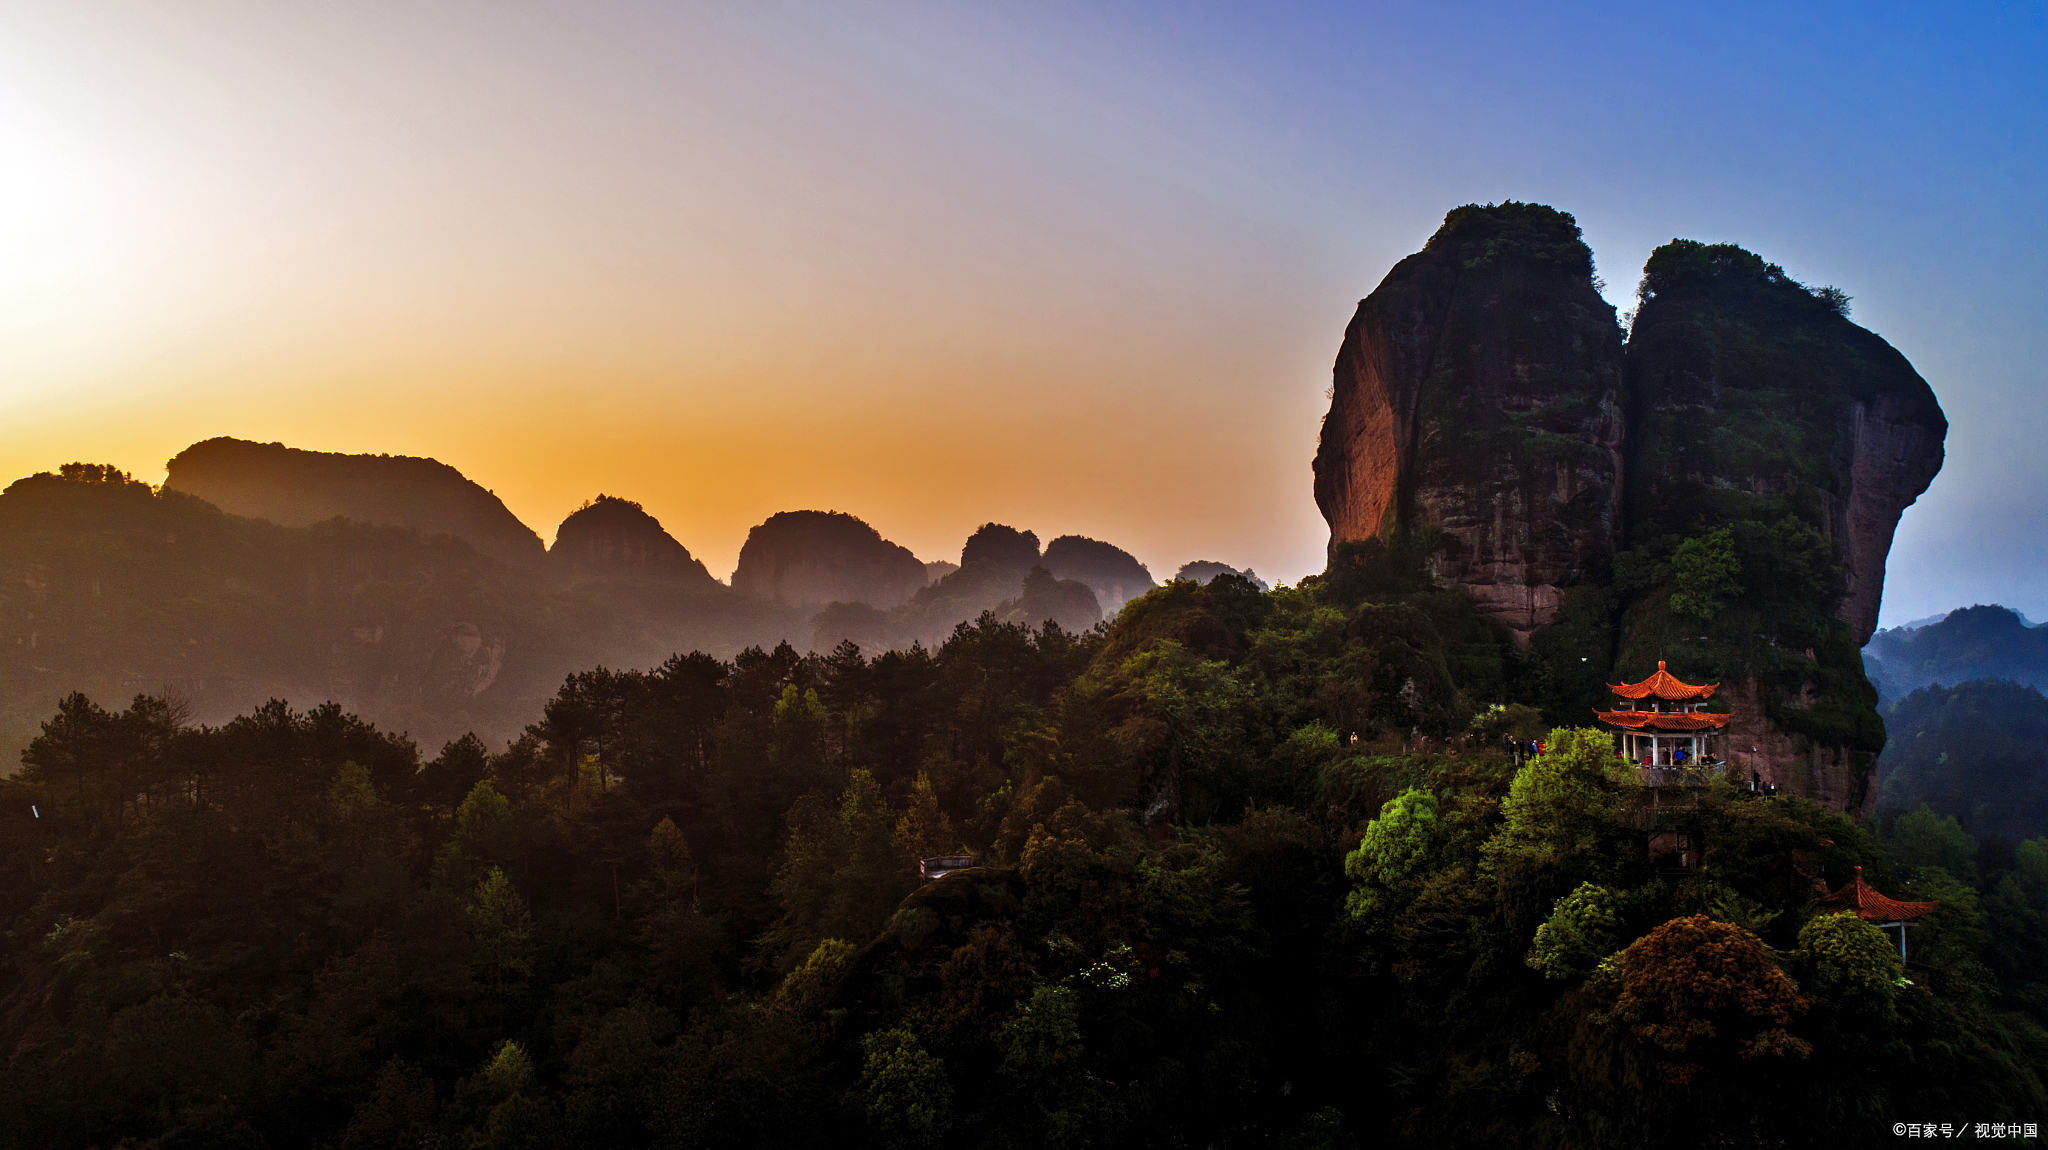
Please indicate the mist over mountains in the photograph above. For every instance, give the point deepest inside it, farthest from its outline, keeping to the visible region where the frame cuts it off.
(1966, 723)
(1976, 642)
(294, 488)
(407, 593)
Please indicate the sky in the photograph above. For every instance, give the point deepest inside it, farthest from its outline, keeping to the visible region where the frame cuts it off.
(1077, 268)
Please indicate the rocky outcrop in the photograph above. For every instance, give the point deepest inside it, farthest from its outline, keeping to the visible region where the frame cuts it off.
(994, 545)
(1796, 764)
(1756, 398)
(295, 488)
(1727, 483)
(613, 538)
(1478, 395)
(811, 558)
(1114, 574)
(1896, 448)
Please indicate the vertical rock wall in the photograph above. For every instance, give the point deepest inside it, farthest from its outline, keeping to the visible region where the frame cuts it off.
(1478, 394)
(1754, 398)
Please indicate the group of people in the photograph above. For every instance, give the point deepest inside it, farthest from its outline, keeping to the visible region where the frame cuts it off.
(1679, 758)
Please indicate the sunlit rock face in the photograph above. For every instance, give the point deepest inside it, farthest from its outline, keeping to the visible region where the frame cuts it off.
(811, 558)
(1756, 398)
(295, 488)
(1478, 393)
(613, 538)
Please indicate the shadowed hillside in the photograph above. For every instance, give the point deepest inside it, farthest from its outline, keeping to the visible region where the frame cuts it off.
(114, 589)
(295, 488)
(1976, 751)
(1221, 893)
(811, 558)
(616, 539)
(1114, 574)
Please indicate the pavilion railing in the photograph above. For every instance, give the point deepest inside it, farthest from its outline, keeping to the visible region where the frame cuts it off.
(1686, 776)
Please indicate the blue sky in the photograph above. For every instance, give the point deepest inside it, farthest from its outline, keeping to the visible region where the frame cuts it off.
(1073, 267)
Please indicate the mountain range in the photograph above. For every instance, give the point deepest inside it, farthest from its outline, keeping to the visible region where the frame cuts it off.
(402, 590)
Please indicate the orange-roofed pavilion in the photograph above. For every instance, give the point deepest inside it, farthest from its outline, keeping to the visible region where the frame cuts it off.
(1661, 716)
(1878, 910)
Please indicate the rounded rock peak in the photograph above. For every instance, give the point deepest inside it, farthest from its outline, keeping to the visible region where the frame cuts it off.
(819, 557)
(610, 537)
(996, 545)
(1477, 234)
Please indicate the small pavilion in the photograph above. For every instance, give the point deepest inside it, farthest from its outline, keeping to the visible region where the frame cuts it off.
(1660, 716)
(1877, 910)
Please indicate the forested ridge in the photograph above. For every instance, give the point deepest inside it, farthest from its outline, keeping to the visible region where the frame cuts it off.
(1228, 896)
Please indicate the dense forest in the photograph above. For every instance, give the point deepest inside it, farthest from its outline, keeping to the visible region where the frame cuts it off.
(1227, 895)
(1977, 751)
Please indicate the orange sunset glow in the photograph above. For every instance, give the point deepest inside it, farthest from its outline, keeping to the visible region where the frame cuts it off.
(725, 275)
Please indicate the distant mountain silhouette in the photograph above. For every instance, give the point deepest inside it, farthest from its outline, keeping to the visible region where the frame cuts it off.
(993, 544)
(811, 558)
(994, 565)
(1114, 574)
(1203, 570)
(1972, 750)
(113, 589)
(295, 488)
(1972, 643)
(613, 538)
(1046, 598)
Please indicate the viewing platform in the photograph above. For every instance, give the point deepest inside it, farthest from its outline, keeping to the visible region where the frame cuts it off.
(1684, 776)
(938, 866)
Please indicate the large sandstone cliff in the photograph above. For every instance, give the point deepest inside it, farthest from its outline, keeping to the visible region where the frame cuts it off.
(1478, 394)
(1722, 489)
(1755, 398)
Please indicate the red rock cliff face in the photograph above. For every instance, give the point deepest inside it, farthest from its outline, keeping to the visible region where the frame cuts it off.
(1478, 394)
(1755, 747)
(1895, 452)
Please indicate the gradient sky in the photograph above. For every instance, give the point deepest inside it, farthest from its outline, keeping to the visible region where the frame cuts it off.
(1076, 268)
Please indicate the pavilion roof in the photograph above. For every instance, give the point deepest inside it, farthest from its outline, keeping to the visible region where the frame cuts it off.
(1662, 685)
(1871, 906)
(1663, 720)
